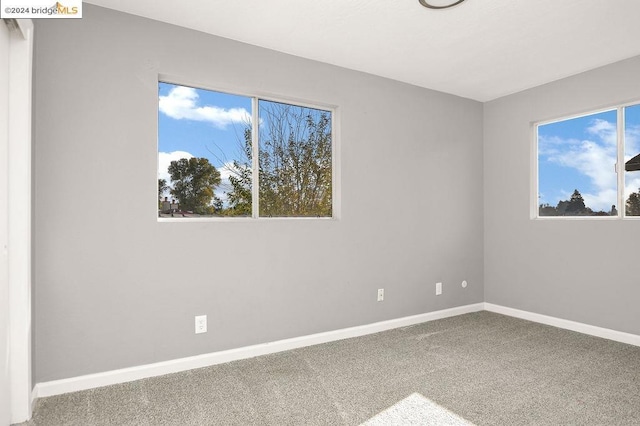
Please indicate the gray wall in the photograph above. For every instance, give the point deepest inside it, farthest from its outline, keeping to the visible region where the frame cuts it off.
(115, 288)
(581, 270)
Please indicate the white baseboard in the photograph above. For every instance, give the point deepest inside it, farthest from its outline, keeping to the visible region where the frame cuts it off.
(618, 336)
(90, 381)
(34, 397)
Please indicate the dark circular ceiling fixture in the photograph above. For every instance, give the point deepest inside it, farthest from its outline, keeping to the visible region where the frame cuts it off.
(430, 6)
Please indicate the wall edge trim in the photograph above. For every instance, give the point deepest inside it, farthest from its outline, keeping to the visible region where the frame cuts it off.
(90, 381)
(592, 330)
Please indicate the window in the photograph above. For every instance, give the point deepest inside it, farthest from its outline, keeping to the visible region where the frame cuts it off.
(578, 172)
(225, 155)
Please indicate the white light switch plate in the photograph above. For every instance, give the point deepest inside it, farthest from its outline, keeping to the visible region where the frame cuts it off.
(201, 324)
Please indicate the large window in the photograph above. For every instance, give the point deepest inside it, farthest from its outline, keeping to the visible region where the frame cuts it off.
(590, 165)
(224, 155)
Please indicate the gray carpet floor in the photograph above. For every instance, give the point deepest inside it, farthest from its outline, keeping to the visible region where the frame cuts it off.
(486, 368)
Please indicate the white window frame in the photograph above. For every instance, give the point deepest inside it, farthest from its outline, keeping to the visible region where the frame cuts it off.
(619, 166)
(255, 97)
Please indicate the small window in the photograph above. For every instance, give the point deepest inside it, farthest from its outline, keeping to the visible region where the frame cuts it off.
(578, 158)
(225, 155)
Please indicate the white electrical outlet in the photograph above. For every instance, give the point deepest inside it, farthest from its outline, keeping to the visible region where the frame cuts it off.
(464, 284)
(438, 289)
(201, 324)
(380, 294)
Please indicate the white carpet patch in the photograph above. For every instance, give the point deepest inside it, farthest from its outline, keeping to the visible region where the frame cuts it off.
(416, 410)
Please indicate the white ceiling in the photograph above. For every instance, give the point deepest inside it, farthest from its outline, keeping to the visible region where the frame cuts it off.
(480, 49)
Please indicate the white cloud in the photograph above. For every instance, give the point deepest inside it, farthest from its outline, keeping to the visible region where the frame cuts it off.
(553, 145)
(602, 200)
(631, 142)
(593, 160)
(632, 183)
(182, 103)
(632, 148)
(605, 131)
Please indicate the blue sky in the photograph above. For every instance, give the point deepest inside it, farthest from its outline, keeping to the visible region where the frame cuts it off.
(203, 123)
(200, 123)
(581, 153)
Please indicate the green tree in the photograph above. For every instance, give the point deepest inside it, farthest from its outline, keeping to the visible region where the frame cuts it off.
(633, 204)
(239, 197)
(162, 188)
(294, 163)
(576, 204)
(194, 181)
(561, 208)
(547, 210)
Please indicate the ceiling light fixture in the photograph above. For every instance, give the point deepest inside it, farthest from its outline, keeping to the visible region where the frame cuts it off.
(431, 6)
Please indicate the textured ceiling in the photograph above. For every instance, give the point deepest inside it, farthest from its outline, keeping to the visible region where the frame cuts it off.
(480, 49)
